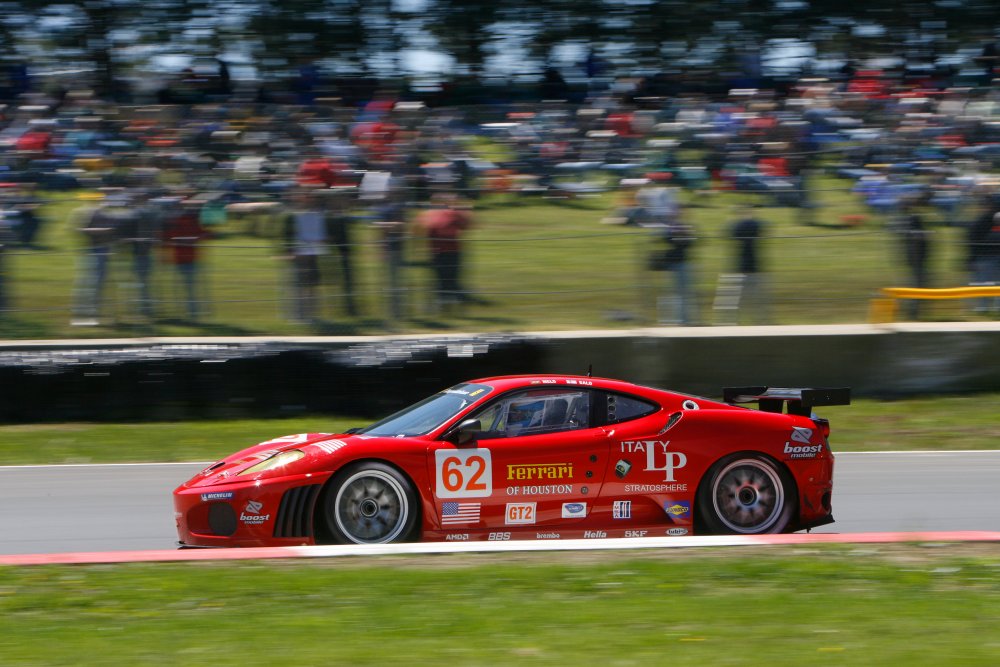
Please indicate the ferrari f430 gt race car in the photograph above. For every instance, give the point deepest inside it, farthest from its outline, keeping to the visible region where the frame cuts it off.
(530, 457)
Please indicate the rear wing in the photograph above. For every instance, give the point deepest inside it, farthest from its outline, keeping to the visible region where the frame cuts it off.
(799, 401)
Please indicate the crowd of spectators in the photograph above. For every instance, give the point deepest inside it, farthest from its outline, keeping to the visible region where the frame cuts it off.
(168, 175)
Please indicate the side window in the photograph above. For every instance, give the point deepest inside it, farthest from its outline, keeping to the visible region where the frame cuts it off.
(536, 411)
(622, 408)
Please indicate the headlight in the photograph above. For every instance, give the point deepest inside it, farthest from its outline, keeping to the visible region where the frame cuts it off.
(278, 460)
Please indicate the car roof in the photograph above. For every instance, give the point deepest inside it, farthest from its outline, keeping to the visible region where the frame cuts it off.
(506, 382)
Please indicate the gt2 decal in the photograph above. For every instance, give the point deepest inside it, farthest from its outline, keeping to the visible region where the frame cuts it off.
(656, 453)
(519, 513)
(463, 474)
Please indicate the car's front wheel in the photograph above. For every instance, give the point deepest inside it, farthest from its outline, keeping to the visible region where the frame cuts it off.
(747, 494)
(370, 503)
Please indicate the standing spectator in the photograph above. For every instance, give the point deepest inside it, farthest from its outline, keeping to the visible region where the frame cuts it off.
(444, 225)
(305, 238)
(916, 252)
(6, 237)
(182, 234)
(747, 232)
(139, 232)
(390, 219)
(984, 256)
(678, 306)
(338, 221)
(98, 225)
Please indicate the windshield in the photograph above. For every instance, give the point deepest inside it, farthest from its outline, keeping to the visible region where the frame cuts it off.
(428, 414)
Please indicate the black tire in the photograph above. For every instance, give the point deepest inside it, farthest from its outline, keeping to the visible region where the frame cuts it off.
(370, 503)
(747, 494)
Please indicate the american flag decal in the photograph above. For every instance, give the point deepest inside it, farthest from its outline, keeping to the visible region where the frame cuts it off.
(452, 513)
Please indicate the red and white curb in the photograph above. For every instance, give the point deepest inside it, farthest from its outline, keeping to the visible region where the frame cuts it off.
(166, 555)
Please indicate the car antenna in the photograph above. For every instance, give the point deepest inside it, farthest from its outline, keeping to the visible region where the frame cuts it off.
(590, 370)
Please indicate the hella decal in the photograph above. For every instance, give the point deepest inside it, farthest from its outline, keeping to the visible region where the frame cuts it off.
(594, 534)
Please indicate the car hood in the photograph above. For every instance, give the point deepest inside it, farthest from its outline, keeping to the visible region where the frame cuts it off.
(318, 449)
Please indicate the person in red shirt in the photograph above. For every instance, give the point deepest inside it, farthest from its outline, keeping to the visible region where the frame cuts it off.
(444, 225)
(182, 234)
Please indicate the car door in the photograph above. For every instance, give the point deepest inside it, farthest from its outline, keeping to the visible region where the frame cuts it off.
(535, 467)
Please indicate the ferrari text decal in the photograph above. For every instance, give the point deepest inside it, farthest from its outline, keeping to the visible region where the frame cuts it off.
(656, 453)
(539, 471)
(463, 474)
(519, 513)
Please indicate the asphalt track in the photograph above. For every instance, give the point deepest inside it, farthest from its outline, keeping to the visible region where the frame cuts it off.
(127, 507)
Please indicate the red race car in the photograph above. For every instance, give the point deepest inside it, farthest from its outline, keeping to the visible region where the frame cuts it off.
(530, 457)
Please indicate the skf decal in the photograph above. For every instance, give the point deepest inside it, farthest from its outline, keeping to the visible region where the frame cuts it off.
(679, 510)
(658, 459)
(539, 471)
(636, 533)
(519, 513)
(622, 509)
(574, 510)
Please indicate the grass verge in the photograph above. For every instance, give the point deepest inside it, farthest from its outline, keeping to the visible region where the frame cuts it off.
(908, 605)
(950, 422)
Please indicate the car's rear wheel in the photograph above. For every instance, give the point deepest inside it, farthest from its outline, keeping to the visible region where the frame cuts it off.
(747, 494)
(370, 503)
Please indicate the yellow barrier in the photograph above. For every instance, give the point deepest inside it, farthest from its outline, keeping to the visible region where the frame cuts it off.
(942, 292)
(883, 310)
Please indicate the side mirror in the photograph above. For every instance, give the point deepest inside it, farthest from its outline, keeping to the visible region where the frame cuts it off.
(465, 432)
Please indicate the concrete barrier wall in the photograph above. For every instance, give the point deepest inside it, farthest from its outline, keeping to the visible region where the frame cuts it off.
(370, 377)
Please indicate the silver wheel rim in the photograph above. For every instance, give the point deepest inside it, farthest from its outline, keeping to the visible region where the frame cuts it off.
(371, 507)
(748, 496)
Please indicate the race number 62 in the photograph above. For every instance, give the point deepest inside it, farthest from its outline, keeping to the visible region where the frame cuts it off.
(463, 474)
